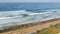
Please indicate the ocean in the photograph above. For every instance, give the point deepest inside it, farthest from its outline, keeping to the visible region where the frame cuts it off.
(12, 14)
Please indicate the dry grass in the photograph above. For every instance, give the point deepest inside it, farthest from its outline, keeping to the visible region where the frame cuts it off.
(51, 30)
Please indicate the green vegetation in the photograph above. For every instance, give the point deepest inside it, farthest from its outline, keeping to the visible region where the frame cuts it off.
(51, 30)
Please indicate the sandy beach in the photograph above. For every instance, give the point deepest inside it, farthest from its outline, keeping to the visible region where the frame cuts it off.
(33, 27)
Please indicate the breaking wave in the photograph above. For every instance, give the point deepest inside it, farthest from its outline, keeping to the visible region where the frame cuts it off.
(11, 18)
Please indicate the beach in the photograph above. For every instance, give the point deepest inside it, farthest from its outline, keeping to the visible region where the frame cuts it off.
(28, 18)
(33, 27)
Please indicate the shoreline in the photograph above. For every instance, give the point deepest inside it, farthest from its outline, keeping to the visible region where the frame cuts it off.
(38, 24)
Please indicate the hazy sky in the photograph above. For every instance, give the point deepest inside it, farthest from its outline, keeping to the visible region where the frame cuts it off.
(50, 1)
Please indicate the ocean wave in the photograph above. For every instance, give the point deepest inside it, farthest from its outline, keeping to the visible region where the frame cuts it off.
(9, 18)
(24, 14)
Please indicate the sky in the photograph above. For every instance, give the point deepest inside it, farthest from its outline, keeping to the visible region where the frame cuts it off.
(38, 1)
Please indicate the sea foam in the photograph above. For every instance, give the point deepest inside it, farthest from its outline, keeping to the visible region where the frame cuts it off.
(11, 18)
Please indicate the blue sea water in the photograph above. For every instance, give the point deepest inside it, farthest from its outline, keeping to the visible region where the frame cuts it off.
(33, 7)
(23, 13)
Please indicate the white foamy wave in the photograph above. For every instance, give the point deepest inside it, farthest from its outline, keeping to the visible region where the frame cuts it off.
(29, 15)
(10, 18)
(11, 14)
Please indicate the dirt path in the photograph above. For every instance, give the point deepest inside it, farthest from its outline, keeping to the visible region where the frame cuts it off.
(27, 30)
